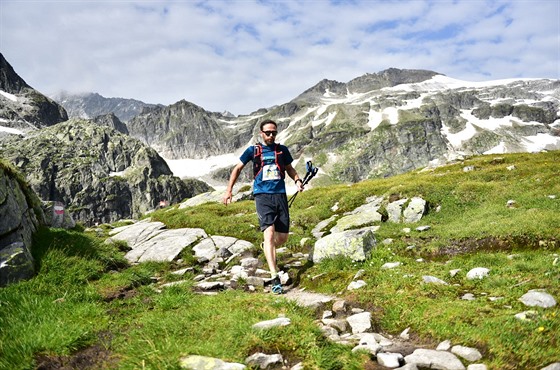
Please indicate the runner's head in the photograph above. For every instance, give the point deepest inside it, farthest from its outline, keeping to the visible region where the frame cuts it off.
(269, 130)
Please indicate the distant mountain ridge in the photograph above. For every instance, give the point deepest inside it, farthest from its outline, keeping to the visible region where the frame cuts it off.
(91, 105)
(375, 125)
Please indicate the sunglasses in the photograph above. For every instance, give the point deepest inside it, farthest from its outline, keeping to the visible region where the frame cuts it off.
(268, 133)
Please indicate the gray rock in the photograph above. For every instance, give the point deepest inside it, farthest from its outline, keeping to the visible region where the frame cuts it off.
(394, 210)
(415, 210)
(317, 231)
(444, 346)
(432, 359)
(263, 361)
(354, 244)
(195, 362)
(468, 353)
(56, 215)
(20, 216)
(281, 321)
(477, 367)
(165, 246)
(308, 299)
(388, 359)
(356, 285)
(477, 273)
(372, 349)
(536, 297)
(433, 280)
(360, 322)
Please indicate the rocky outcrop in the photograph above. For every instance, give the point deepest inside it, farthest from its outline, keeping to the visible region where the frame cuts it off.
(111, 120)
(20, 216)
(22, 107)
(185, 130)
(99, 174)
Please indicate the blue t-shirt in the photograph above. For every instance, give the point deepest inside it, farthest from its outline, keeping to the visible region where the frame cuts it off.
(269, 180)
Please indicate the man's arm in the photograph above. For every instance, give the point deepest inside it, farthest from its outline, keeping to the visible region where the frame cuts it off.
(232, 179)
(291, 171)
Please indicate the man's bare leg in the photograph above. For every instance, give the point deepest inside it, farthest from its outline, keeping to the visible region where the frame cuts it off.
(272, 240)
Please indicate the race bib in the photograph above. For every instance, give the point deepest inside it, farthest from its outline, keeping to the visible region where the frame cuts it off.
(271, 172)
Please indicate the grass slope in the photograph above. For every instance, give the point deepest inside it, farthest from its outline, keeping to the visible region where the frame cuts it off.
(87, 308)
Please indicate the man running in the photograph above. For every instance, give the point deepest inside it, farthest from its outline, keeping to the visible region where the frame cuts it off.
(271, 162)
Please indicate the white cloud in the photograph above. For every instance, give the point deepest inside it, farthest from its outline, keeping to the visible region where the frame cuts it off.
(244, 55)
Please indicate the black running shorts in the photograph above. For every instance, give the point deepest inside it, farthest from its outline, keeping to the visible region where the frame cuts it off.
(272, 209)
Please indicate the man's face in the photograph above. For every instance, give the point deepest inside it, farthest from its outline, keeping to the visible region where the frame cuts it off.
(268, 133)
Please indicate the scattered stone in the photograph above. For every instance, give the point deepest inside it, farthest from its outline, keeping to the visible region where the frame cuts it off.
(359, 274)
(468, 353)
(195, 362)
(356, 285)
(390, 265)
(477, 367)
(454, 272)
(415, 210)
(444, 346)
(388, 359)
(511, 203)
(360, 322)
(468, 297)
(423, 228)
(433, 280)
(433, 359)
(281, 321)
(477, 273)
(539, 298)
(404, 334)
(526, 315)
(263, 361)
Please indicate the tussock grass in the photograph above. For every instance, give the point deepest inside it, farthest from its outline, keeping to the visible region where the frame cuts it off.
(86, 294)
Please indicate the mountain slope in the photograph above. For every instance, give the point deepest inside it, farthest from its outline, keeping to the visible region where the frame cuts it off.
(21, 107)
(376, 125)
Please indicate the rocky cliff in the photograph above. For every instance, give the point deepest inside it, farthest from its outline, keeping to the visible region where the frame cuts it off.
(185, 130)
(100, 174)
(20, 216)
(22, 107)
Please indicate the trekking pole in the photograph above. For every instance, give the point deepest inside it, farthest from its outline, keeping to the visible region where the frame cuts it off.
(311, 172)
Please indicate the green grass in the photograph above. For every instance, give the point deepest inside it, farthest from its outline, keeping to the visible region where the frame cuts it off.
(85, 294)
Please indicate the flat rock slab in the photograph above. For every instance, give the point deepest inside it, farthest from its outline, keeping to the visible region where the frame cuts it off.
(164, 246)
(308, 299)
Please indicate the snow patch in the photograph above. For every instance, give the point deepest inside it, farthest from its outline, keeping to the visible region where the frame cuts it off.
(8, 96)
(196, 168)
(10, 130)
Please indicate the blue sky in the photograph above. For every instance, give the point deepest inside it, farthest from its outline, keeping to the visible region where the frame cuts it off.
(240, 56)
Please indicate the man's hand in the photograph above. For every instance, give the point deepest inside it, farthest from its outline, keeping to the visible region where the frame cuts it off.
(299, 185)
(227, 197)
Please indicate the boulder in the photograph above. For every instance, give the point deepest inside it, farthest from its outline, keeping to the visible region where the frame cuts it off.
(20, 216)
(354, 244)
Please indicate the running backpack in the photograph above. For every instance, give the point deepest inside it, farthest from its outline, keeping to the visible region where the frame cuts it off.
(258, 161)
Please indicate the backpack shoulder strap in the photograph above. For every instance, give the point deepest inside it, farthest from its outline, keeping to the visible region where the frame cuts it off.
(279, 163)
(257, 159)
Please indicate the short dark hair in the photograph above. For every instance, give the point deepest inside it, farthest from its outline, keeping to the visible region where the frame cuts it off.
(267, 122)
